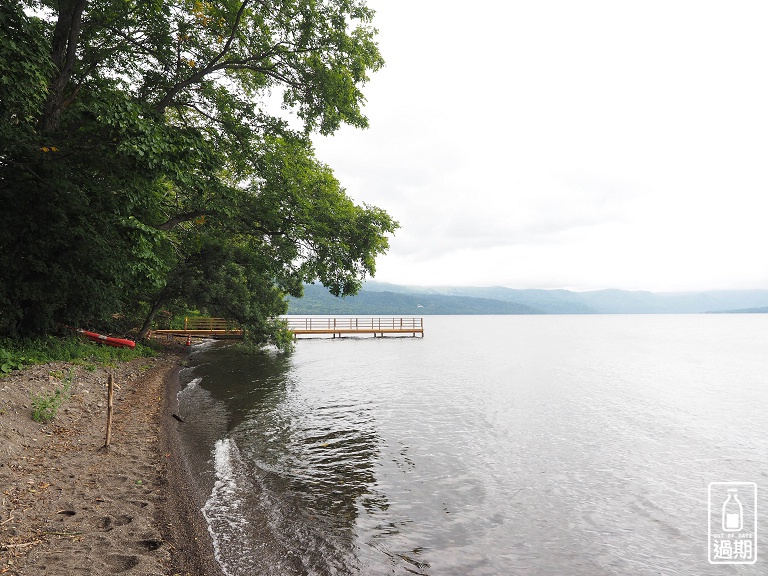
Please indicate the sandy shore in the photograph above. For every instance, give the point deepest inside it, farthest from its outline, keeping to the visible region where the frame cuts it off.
(70, 507)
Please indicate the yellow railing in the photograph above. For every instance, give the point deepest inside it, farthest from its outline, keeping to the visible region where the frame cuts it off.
(224, 328)
(205, 323)
(322, 325)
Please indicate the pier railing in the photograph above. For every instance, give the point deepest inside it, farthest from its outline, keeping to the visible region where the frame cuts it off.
(352, 325)
(207, 323)
(205, 327)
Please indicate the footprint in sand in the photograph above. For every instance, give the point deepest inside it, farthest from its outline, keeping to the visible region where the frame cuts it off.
(149, 545)
(120, 563)
(108, 522)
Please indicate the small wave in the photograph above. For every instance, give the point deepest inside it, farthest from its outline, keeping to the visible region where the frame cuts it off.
(255, 530)
(191, 386)
(194, 383)
(203, 345)
(224, 511)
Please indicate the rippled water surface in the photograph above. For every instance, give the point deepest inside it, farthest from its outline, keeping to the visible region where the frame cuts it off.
(579, 445)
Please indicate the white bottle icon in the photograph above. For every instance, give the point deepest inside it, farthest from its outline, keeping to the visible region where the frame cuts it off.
(733, 513)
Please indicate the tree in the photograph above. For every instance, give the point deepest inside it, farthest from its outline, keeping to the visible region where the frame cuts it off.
(143, 160)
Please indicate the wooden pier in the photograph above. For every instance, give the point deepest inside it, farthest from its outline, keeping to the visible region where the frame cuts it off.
(379, 327)
(203, 327)
(223, 329)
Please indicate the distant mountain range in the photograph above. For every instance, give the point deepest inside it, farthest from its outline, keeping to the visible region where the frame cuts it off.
(392, 299)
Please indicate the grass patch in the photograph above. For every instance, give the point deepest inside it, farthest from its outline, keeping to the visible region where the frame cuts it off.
(16, 354)
(45, 406)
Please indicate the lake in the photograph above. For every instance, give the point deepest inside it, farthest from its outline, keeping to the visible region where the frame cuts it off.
(579, 445)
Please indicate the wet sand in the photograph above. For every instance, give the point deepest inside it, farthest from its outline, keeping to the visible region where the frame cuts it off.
(69, 506)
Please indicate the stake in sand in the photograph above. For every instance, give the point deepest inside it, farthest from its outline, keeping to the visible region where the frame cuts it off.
(110, 407)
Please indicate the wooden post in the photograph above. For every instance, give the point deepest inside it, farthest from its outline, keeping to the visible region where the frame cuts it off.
(110, 407)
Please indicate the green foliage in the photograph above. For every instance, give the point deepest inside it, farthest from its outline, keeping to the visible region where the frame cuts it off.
(143, 169)
(25, 68)
(10, 362)
(45, 406)
(15, 354)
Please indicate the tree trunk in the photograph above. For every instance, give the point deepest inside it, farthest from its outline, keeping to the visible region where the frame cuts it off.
(63, 52)
(151, 317)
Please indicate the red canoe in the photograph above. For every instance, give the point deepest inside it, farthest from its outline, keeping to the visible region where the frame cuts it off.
(117, 342)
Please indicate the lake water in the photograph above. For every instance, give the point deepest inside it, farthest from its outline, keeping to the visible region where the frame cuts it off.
(514, 445)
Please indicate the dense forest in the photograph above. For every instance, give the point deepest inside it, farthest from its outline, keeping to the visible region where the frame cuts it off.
(156, 157)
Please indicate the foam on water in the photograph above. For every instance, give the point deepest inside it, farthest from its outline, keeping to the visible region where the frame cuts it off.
(224, 508)
(255, 530)
(189, 388)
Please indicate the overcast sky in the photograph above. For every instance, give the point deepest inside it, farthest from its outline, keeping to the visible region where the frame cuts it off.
(574, 144)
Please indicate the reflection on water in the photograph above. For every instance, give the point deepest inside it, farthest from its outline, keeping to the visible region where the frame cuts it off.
(515, 445)
(290, 477)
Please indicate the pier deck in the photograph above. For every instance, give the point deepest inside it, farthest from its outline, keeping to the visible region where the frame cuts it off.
(223, 329)
(379, 327)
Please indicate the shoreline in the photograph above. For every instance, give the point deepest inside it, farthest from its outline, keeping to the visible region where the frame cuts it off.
(182, 514)
(69, 506)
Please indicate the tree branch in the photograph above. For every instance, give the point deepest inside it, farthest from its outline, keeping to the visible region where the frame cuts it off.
(171, 223)
(163, 104)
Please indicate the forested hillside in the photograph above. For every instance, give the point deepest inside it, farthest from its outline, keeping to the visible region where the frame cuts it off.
(380, 298)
